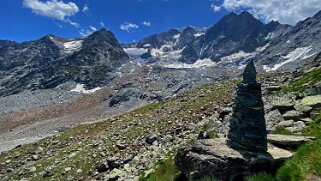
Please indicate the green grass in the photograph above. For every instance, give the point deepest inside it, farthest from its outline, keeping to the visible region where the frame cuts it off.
(307, 160)
(164, 171)
(282, 130)
(212, 134)
(309, 78)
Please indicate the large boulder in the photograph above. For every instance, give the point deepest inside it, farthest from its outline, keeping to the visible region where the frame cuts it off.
(214, 159)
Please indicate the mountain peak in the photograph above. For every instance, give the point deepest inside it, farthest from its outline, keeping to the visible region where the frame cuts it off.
(317, 15)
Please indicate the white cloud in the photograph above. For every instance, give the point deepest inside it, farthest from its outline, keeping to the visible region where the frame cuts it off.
(102, 24)
(72, 23)
(52, 8)
(215, 7)
(93, 28)
(284, 11)
(147, 23)
(128, 26)
(84, 32)
(85, 8)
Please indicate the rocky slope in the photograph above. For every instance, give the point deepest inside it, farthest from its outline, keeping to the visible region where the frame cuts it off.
(128, 145)
(51, 61)
(301, 42)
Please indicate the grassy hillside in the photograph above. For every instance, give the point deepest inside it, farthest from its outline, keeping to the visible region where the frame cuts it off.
(75, 153)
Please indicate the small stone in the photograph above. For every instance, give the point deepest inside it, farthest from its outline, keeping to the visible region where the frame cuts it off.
(121, 145)
(32, 169)
(306, 120)
(34, 157)
(102, 167)
(47, 173)
(79, 171)
(72, 155)
(102, 154)
(9, 170)
(67, 169)
(115, 174)
(287, 123)
(8, 161)
(151, 138)
(295, 115)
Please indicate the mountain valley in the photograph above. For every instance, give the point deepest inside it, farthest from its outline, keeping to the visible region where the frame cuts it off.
(91, 108)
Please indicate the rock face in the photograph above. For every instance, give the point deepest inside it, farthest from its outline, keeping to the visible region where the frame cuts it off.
(213, 158)
(247, 125)
(52, 61)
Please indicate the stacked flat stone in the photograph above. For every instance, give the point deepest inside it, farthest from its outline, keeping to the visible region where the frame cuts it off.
(247, 125)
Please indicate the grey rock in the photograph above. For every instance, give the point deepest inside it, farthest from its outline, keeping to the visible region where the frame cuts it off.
(120, 145)
(315, 113)
(288, 140)
(151, 138)
(302, 108)
(213, 158)
(286, 123)
(312, 101)
(67, 169)
(47, 173)
(274, 118)
(306, 120)
(32, 169)
(102, 167)
(274, 88)
(295, 115)
(297, 126)
(34, 157)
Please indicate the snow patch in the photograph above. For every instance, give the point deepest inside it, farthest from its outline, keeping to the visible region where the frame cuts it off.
(147, 45)
(270, 36)
(135, 51)
(198, 34)
(198, 64)
(236, 56)
(72, 46)
(176, 36)
(81, 89)
(297, 54)
(261, 49)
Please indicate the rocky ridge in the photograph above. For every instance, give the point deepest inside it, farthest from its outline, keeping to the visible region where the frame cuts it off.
(52, 61)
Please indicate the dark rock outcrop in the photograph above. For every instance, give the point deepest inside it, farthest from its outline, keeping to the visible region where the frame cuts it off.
(212, 158)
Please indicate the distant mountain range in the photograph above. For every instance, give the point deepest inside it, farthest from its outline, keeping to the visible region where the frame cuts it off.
(234, 40)
(231, 42)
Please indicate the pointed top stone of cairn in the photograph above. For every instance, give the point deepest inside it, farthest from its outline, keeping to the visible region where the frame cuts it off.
(249, 74)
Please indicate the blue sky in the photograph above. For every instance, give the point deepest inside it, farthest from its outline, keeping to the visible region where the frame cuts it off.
(132, 20)
(142, 17)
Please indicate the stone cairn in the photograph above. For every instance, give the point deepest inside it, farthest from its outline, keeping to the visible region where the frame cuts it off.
(247, 124)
